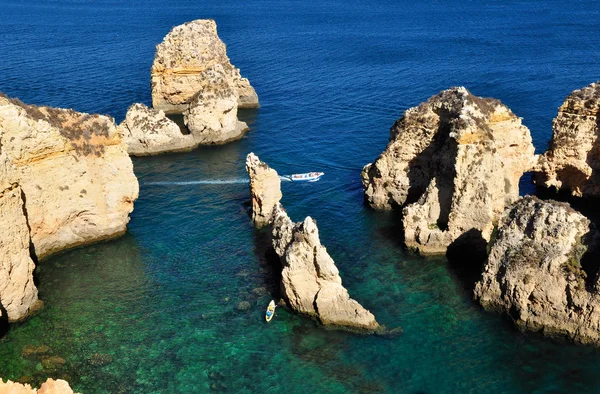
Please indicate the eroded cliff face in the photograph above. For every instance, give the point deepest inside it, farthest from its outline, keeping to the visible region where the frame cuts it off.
(180, 59)
(310, 281)
(50, 386)
(265, 190)
(77, 178)
(572, 161)
(18, 294)
(149, 132)
(453, 163)
(534, 271)
(211, 115)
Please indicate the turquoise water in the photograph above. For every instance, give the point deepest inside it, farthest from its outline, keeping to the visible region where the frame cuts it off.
(156, 310)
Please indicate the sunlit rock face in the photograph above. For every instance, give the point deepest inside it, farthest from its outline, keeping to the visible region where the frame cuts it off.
(185, 53)
(18, 293)
(453, 164)
(149, 132)
(535, 271)
(572, 161)
(73, 168)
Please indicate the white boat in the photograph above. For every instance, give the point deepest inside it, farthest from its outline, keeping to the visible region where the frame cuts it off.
(307, 177)
(270, 311)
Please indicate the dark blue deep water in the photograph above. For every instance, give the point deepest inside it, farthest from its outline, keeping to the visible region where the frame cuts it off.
(155, 311)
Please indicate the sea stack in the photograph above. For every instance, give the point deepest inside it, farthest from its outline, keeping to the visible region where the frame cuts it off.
(76, 177)
(265, 190)
(453, 164)
(148, 132)
(185, 53)
(534, 272)
(572, 161)
(310, 282)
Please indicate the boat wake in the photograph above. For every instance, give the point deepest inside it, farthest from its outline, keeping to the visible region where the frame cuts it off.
(203, 182)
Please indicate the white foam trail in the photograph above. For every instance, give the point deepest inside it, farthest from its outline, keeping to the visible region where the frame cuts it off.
(204, 182)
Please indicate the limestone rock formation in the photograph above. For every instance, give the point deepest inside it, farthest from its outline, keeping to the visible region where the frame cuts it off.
(18, 294)
(211, 116)
(453, 163)
(572, 161)
(310, 280)
(148, 132)
(535, 274)
(265, 190)
(74, 170)
(50, 386)
(180, 59)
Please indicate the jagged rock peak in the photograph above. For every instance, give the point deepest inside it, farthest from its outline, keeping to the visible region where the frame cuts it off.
(149, 132)
(183, 55)
(572, 161)
(265, 190)
(535, 271)
(310, 281)
(453, 163)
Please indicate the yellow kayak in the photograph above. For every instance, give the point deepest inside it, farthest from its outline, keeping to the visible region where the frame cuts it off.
(270, 311)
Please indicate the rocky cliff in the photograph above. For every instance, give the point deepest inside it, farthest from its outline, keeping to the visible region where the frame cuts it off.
(18, 294)
(535, 271)
(310, 281)
(180, 59)
(148, 131)
(73, 168)
(211, 115)
(50, 386)
(572, 161)
(265, 190)
(453, 163)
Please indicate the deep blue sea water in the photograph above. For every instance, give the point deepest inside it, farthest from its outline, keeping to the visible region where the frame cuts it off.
(159, 304)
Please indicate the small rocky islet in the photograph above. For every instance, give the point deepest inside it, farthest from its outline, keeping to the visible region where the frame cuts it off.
(452, 166)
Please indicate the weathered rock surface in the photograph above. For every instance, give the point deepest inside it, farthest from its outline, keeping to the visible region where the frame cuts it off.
(572, 161)
(211, 116)
(534, 271)
(186, 52)
(310, 280)
(50, 386)
(453, 163)
(18, 294)
(149, 132)
(265, 190)
(74, 170)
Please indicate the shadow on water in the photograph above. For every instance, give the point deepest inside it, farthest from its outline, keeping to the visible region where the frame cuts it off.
(3, 320)
(466, 258)
(270, 264)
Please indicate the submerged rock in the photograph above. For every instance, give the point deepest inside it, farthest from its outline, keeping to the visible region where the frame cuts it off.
(572, 161)
(535, 275)
(50, 386)
(310, 280)
(453, 163)
(149, 132)
(73, 168)
(18, 293)
(185, 53)
(265, 190)
(211, 116)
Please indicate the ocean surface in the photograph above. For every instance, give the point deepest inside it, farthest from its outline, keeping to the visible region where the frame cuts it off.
(155, 311)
